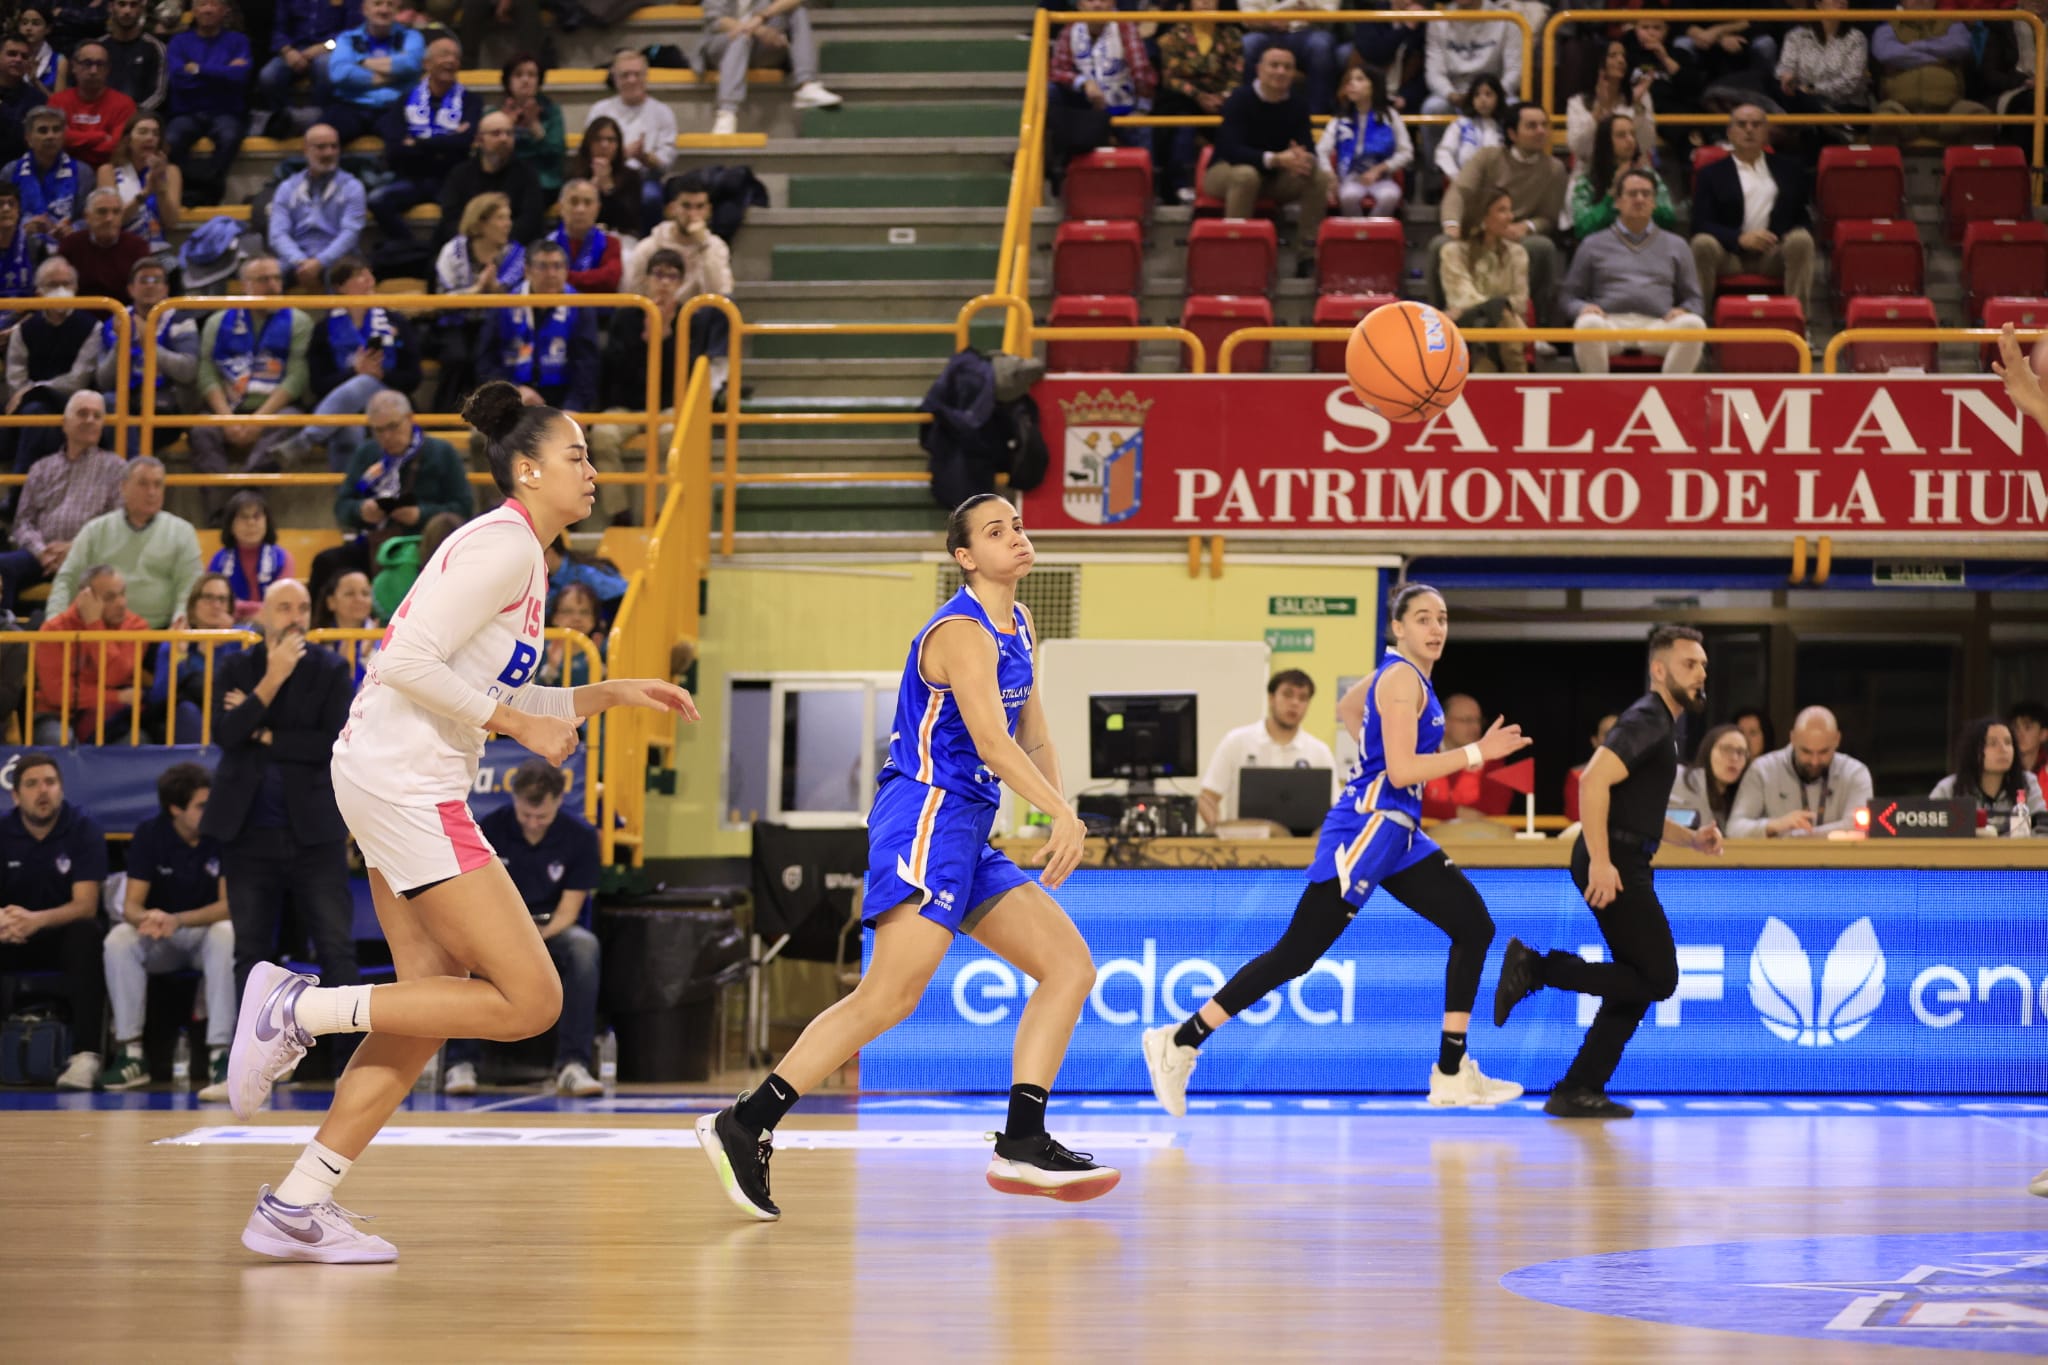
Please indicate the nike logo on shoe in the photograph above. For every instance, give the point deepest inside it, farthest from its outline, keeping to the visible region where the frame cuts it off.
(265, 1030)
(309, 1234)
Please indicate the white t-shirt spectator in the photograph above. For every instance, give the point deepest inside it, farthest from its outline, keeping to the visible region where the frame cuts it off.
(1250, 746)
(650, 120)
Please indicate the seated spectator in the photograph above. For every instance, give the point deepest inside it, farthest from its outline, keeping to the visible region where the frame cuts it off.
(1808, 787)
(1923, 68)
(1824, 66)
(87, 695)
(64, 491)
(1314, 46)
(252, 363)
(1708, 786)
(21, 251)
(52, 861)
(1486, 280)
(2028, 721)
(736, 31)
(1466, 795)
(538, 139)
(174, 917)
(575, 609)
(1749, 212)
(550, 353)
(1275, 740)
(1455, 55)
(316, 216)
(1613, 89)
(2005, 73)
(1989, 774)
(46, 363)
(140, 67)
(1635, 275)
(601, 161)
(356, 353)
(177, 354)
(1757, 729)
(494, 169)
(552, 856)
(568, 566)
(1735, 61)
(210, 606)
(210, 68)
(1615, 152)
(101, 252)
(628, 351)
(596, 262)
(1400, 50)
(1676, 82)
(249, 553)
(1199, 65)
(1365, 148)
(481, 258)
(1572, 776)
(397, 479)
(647, 133)
(95, 114)
(1535, 184)
(686, 230)
(1100, 70)
(305, 36)
(53, 183)
(19, 95)
(1477, 127)
(346, 604)
(46, 67)
(156, 552)
(427, 135)
(152, 190)
(1264, 149)
(371, 70)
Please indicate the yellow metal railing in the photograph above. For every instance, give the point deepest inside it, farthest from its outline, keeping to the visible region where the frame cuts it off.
(1562, 336)
(1954, 336)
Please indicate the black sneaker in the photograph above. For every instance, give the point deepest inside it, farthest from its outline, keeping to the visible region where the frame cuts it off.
(741, 1160)
(1584, 1104)
(1517, 980)
(1039, 1165)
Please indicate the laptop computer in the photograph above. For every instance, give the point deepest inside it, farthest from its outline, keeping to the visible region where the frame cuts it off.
(1297, 798)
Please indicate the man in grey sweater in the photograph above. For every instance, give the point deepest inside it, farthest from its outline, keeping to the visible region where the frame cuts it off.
(1809, 787)
(1635, 275)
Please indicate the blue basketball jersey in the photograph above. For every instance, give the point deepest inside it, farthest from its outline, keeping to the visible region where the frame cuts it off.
(1369, 791)
(930, 741)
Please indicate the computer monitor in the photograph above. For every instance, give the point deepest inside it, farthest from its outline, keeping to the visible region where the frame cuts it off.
(1141, 736)
(1297, 798)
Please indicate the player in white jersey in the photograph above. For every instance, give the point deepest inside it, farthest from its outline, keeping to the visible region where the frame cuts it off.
(457, 662)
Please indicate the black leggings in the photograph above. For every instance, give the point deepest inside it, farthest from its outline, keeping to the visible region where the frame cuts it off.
(1432, 888)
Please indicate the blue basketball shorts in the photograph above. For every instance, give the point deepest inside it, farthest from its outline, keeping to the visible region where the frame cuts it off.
(929, 845)
(1361, 851)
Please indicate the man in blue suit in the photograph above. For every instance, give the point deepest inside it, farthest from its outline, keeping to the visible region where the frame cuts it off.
(1750, 212)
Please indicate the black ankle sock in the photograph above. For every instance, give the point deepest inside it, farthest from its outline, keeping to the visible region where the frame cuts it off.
(1027, 1112)
(1193, 1031)
(1450, 1053)
(764, 1107)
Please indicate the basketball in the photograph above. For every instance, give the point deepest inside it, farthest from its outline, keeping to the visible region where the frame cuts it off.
(1407, 361)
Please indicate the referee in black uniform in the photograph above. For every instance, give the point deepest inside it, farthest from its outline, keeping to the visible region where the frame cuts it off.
(1623, 796)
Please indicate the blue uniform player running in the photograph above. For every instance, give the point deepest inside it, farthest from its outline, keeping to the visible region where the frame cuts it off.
(968, 720)
(1373, 837)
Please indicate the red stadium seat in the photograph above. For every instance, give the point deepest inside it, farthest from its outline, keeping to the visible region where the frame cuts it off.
(1758, 310)
(1880, 357)
(1231, 255)
(1213, 317)
(2026, 315)
(1341, 310)
(1983, 182)
(1208, 205)
(1097, 357)
(1097, 257)
(1878, 256)
(1859, 182)
(1110, 182)
(1361, 256)
(2004, 258)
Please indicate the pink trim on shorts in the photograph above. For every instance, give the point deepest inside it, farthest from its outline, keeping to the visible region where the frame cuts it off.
(471, 852)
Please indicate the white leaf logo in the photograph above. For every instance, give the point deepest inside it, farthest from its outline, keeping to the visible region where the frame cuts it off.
(1851, 984)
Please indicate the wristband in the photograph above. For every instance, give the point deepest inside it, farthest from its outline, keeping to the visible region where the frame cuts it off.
(1473, 758)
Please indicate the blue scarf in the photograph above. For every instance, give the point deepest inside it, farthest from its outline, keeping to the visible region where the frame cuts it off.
(45, 73)
(424, 118)
(538, 359)
(163, 343)
(269, 568)
(17, 268)
(511, 269)
(55, 193)
(1363, 141)
(591, 254)
(344, 338)
(390, 478)
(239, 354)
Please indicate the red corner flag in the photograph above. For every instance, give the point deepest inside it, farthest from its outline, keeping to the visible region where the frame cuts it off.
(1516, 777)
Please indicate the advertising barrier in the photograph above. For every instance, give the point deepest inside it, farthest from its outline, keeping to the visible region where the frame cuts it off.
(1790, 982)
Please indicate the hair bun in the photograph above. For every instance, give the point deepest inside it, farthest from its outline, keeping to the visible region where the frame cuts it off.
(494, 409)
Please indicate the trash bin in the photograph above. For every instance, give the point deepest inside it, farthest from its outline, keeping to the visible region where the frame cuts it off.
(667, 955)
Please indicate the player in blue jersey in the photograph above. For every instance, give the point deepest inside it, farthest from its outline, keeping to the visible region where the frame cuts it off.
(1373, 837)
(968, 720)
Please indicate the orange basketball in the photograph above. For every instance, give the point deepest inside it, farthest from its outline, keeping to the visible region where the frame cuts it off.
(1407, 361)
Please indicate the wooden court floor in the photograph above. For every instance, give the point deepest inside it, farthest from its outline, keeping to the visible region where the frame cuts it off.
(1251, 1237)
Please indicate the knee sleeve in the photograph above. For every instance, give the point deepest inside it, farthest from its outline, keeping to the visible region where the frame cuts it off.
(1319, 918)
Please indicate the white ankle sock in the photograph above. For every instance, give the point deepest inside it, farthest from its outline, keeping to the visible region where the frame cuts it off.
(334, 1009)
(314, 1175)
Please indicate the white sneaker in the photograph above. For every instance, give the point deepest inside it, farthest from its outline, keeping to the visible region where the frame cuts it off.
(82, 1072)
(323, 1232)
(268, 1040)
(814, 95)
(577, 1080)
(460, 1080)
(2039, 1185)
(1169, 1065)
(1470, 1088)
(725, 124)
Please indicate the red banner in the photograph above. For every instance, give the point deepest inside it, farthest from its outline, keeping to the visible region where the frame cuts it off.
(1920, 456)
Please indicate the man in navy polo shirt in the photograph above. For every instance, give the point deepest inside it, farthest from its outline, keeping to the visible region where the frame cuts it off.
(552, 856)
(52, 861)
(174, 915)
